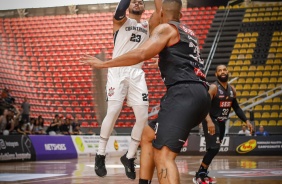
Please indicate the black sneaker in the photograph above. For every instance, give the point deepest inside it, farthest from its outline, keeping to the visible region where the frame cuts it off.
(129, 166)
(100, 168)
(203, 178)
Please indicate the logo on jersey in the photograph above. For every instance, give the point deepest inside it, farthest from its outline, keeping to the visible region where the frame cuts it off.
(111, 91)
(199, 73)
(186, 30)
(220, 91)
(231, 93)
(144, 24)
(225, 104)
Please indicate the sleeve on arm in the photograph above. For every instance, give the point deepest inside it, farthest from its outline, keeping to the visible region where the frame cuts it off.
(121, 9)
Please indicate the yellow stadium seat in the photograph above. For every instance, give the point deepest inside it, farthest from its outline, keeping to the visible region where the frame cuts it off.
(237, 123)
(245, 45)
(273, 50)
(273, 80)
(235, 74)
(276, 33)
(237, 46)
(235, 51)
(275, 67)
(257, 115)
(279, 123)
(233, 57)
(239, 87)
(254, 34)
(265, 115)
(253, 40)
(274, 115)
(269, 61)
(245, 93)
(244, 68)
(257, 80)
(241, 81)
(231, 63)
(239, 62)
(280, 115)
(243, 51)
(278, 55)
(270, 55)
(276, 99)
(266, 73)
(272, 123)
(252, 68)
(274, 73)
(256, 123)
(265, 80)
(267, 14)
(277, 61)
(267, 67)
(249, 56)
(263, 87)
(247, 87)
(255, 87)
(244, 74)
(241, 35)
(253, 93)
(247, 62)
(239, 40)
(266, 107)
(275, 107)
(258, 73)
(252, 45)
(250, 51)
(258, 107)
(263, 123)
(274, 44)
(271, 86)
(251, 74)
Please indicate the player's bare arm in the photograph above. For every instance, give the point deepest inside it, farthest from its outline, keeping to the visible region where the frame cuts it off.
(162, 36)
(248, 123)
(154, 20)
(210, 124)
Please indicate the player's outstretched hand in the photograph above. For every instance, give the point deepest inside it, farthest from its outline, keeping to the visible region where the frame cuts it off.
(92, 61)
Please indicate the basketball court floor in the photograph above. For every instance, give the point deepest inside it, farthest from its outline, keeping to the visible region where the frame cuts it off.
(226, 169)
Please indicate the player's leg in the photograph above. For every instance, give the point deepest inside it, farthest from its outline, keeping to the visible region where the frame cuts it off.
(176, 119)
(137, 97)
(212, 148)
(116, 91)
(114, 108)
(147, 165)
(167, 170)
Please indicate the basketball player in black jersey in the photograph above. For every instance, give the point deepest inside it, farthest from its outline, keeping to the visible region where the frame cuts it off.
(186, 102)
(223, 98)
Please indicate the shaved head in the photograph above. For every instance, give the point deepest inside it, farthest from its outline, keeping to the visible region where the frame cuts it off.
(172, 8)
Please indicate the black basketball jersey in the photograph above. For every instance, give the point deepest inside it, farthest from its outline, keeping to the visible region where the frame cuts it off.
(222, 102)
(181, 62)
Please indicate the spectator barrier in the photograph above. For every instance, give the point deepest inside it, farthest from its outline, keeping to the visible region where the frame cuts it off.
(44, 147)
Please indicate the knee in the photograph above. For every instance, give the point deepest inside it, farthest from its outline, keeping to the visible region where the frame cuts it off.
(148, 135)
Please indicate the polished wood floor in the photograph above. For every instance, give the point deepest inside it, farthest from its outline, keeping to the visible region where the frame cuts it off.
(226, 169)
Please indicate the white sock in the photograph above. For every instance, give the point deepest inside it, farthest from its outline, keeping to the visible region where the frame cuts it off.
(114, 108)
(141, 114)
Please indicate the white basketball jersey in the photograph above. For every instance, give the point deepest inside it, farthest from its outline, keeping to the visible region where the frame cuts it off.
(130, 36)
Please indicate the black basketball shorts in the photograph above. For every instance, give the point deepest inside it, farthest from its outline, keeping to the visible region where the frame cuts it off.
(183, 107)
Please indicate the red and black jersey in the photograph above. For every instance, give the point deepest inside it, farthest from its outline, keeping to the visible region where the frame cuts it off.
(222, 102)
(181, 62)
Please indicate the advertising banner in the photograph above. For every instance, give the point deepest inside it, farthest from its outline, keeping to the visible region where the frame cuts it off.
(260, 145)
(118, 144)
(85, 145)
(16, 148)
(53, 147)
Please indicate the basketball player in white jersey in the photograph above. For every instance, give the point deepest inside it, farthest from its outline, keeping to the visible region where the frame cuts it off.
(127, 82)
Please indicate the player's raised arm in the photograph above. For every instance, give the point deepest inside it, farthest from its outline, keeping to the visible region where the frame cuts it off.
(120, 14)
(154, 20)
(163, 35)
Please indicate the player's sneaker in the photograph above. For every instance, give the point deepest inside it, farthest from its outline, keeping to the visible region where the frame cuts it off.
(129, 166)
(203, 178)
(100, 168)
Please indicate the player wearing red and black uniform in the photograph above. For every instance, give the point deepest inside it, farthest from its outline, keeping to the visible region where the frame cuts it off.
(223, 98)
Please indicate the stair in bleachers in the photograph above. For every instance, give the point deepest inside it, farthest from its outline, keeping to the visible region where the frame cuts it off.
(226, 41)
